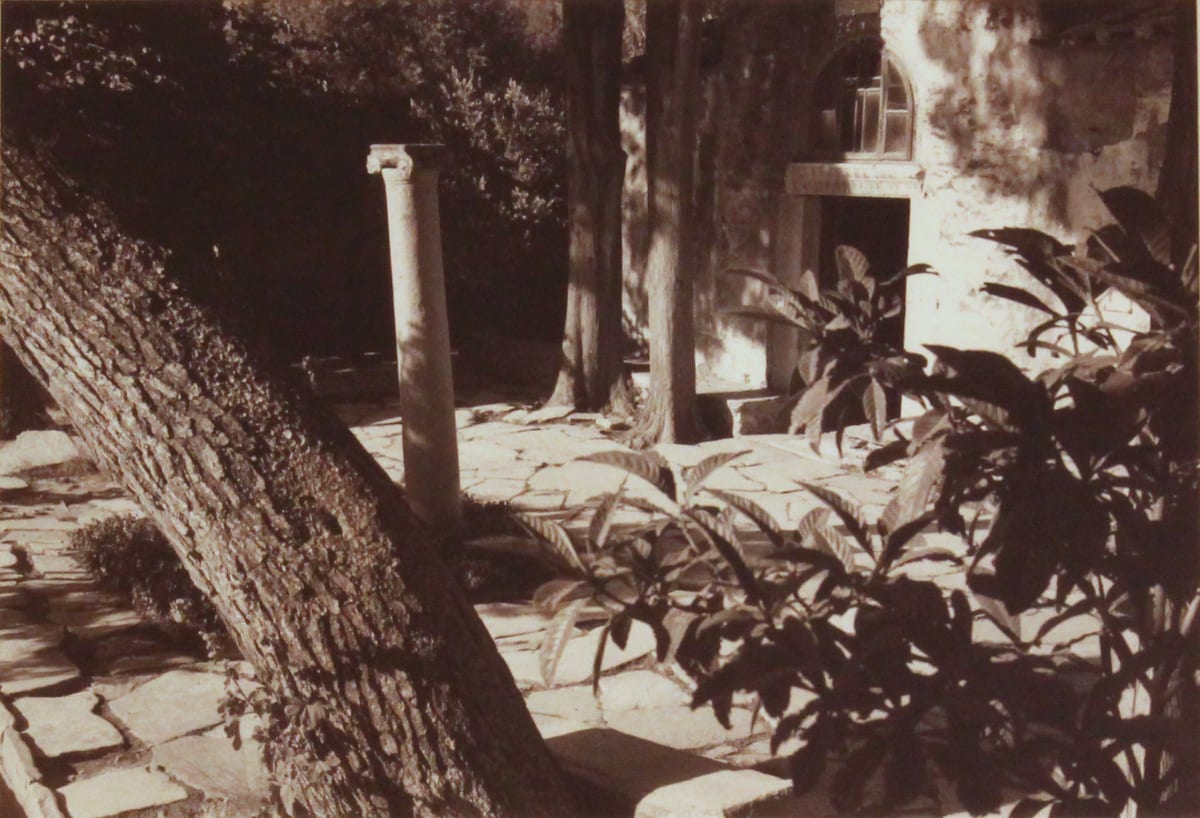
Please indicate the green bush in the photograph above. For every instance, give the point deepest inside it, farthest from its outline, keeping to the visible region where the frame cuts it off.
(129, 555)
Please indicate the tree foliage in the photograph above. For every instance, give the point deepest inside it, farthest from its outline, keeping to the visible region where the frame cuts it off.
(244, 129)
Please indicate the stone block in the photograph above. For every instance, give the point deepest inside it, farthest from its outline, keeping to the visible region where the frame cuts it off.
(680, 726)
(574, 703)
(640, 690)
(576, 663)
(661, 782)
(209, 763)
(67, 726)
(31, 659)
(39, 801)
(91, 613)
(174, 704)
(508, 619)
(37, 448)
(16, 759)
(116, 791)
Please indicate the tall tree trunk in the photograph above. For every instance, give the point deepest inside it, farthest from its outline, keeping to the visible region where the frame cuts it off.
(391, 698)
(673, 65)
(1177, 182)
(1177, 194)
(20, 401)
(591, 375)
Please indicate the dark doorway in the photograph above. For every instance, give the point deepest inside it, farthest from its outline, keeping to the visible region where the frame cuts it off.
(877, 227)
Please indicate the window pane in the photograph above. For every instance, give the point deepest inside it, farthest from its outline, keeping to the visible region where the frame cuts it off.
(897, 97)
(868, 134)
(896, 139)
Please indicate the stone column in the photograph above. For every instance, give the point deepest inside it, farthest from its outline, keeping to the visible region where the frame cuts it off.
(410, 179)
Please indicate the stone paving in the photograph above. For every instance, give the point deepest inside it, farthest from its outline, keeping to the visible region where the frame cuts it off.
(101, 714)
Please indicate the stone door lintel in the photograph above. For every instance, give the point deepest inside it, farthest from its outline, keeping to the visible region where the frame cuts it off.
(885, 180)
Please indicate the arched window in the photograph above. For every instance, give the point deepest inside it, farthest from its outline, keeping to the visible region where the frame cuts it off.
(862, 108)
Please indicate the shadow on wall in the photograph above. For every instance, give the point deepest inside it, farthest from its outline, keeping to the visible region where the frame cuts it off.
(1016, 117)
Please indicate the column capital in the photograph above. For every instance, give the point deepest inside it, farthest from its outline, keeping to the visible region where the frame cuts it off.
(408, 158)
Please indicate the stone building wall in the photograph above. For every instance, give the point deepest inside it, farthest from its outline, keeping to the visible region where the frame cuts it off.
(1007, 133)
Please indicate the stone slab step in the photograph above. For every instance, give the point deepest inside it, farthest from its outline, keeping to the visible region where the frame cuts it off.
(662, 782)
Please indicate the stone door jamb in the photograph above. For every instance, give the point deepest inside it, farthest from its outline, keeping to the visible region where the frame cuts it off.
(797, 231)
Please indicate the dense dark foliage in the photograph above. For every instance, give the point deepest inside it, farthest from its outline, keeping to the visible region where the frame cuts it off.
(129, 555)
(240, 134)
(1072, 499)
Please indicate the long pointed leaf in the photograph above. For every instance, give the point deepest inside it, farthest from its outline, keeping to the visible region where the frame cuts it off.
(554, 641)
(725, 539)
(694, 476)
(759, 515)
(649, 466)
(875, 407)
(601, 524)
(850, 512)
(1017, 295)
(555, 536)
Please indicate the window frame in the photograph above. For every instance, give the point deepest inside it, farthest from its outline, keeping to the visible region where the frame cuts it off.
(831, 72)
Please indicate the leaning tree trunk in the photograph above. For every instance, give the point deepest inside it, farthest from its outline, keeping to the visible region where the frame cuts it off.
(673, 63)
(392, 699)
(591, 375)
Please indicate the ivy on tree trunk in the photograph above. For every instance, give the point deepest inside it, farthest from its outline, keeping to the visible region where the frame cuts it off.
(390, 697)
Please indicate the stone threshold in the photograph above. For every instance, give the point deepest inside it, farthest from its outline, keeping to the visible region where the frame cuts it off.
(660, 781)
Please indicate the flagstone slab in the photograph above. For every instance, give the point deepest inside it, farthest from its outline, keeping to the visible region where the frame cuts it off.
(32, 449)
(91, 613)
(209, 763)
(510, 619)
(662, 782)
(116, 791)
(31, 659)
(640, 690)
(13, 484)
(579, 476)
(495, 489)
(541, 501)
(174, 704)
(576, 703)
(578, 657)
(680, 726)
(67, 726)
(131, 653)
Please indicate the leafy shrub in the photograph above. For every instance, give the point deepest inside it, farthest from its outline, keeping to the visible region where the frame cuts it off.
(1088, 472)
(846, 371)
(129, 555)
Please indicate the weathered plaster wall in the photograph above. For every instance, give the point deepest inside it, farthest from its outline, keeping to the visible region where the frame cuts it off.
(1007, 133)
(1012, 134)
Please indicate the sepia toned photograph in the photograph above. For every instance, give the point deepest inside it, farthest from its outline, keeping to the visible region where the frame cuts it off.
(599, 409)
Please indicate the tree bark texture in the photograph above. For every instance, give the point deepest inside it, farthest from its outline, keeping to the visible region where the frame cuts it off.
(390, 698)
(673, 64)
(1178, 180)
(591, 374)
(20, 399)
